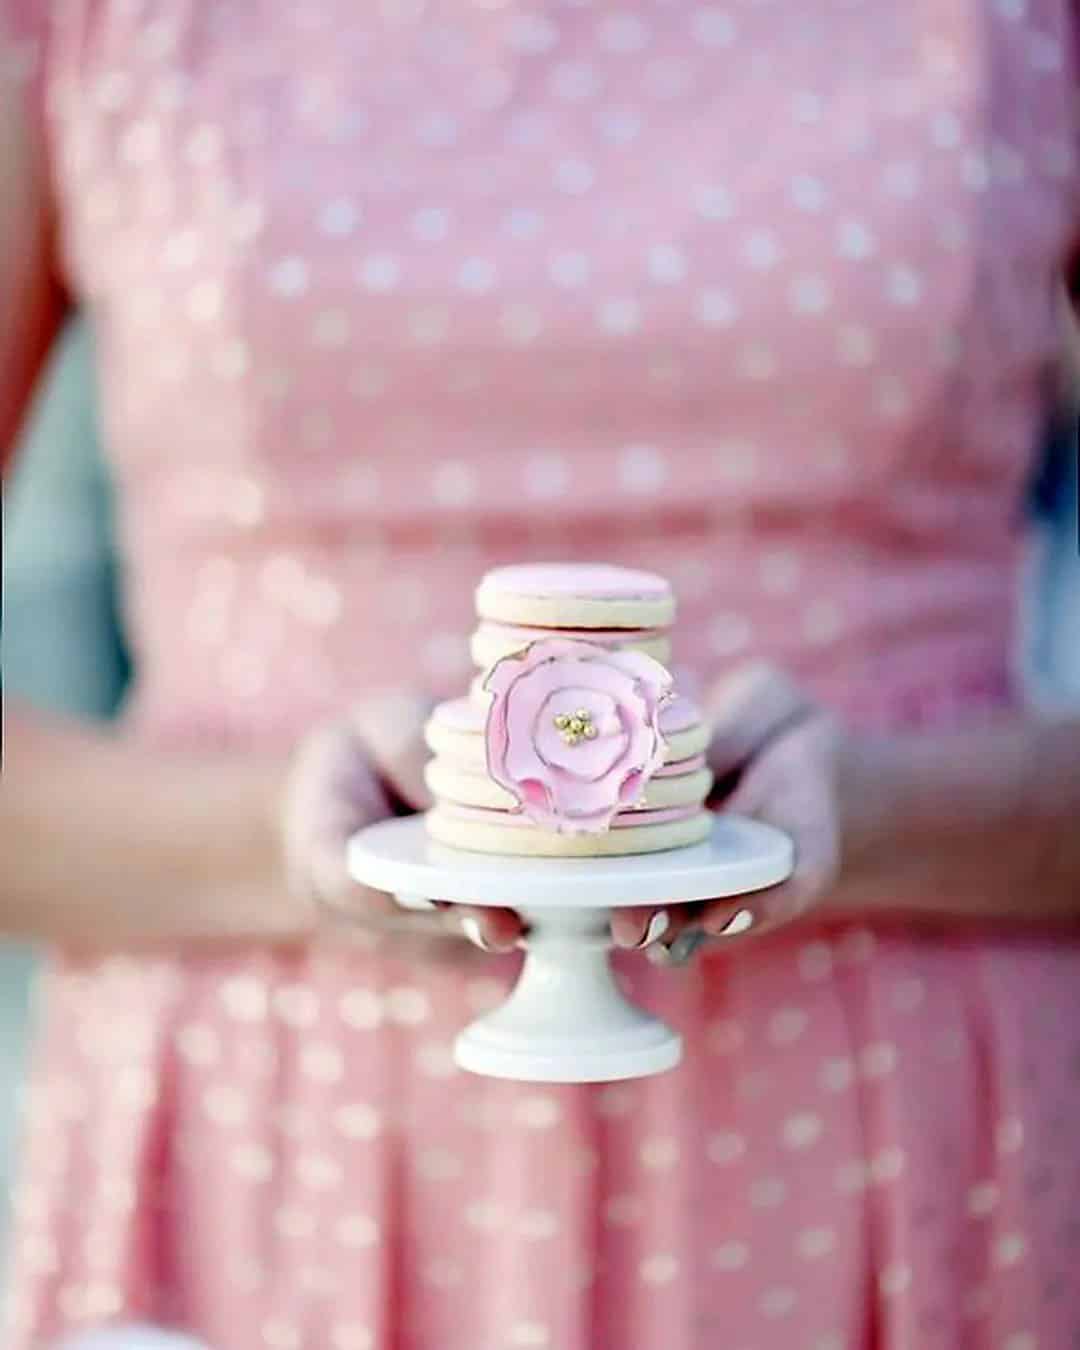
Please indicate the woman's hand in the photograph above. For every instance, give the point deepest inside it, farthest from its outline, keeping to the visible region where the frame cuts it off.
(955, 825)
(367, 767)
(777, 757)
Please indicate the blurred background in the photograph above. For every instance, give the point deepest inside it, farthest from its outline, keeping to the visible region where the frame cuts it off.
(62, 640)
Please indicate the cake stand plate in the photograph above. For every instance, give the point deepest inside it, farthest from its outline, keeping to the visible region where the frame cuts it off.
(566, 1020)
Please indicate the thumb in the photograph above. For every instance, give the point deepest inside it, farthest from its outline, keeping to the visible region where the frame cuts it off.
(392, 728)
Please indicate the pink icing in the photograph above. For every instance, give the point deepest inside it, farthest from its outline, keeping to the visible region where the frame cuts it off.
(621, 821)
(588, 581)
(575, 787)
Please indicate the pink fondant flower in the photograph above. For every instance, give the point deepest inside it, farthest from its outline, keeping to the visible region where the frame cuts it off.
(573, 731)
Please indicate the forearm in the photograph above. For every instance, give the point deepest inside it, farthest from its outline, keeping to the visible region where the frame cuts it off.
(103, 841)
(980, 825)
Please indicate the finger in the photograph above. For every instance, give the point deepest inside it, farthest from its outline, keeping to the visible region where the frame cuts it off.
(391, 727)
(748, 709)
(638, 926)
(681, 949)
(492, 930)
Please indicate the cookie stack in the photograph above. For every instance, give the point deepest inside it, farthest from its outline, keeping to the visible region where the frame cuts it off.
(572, 741)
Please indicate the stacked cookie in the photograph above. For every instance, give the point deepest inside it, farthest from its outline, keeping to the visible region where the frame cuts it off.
(572, 741)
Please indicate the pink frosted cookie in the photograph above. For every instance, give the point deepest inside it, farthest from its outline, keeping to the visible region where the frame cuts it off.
(455, 731)
(575, 595)
(509, 833)
(492, 641)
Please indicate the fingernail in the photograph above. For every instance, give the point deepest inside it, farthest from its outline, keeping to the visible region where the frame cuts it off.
(471, 929)
(739, 922)
(415, 902)
(657, 927)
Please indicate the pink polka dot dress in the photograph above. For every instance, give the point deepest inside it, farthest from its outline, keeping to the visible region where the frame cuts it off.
(755, 295)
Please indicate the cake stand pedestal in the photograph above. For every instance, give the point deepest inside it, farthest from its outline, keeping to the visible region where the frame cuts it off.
(566, 1020)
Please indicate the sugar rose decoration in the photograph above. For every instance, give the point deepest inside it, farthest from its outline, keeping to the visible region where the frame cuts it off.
(573, 731)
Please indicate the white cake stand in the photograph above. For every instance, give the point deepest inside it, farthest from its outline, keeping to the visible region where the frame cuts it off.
(566, 1020)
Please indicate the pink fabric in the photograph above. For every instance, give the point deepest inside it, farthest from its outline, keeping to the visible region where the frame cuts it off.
(756, 297)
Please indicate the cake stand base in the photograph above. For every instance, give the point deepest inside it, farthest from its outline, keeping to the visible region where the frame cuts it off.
(566, 1020)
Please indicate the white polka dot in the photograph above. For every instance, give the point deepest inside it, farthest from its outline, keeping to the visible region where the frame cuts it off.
(436, 1060)
(446, 654)
(716, 308)
(289, 277)
(140, 143)
(823, 620)
(887, 1164)
(806, 107)
(815, 961)
(546, 477)
(623, 1211)
(949, 1045)
(181, 249)
(251, 1162)
(810, 295)
(666, 264)
(318, 1171)
(903, 285)
(725, 1037)
(1009, 1249)
(111, 90)
(521, 323)
(808, 193)
(982, 1198)
(761, 250)
(802, 1130)
(855, 240)
(429, 324)
(204, 301)
(522, 223)
(778, 1302)
(407, 1006)
(203, 147)
(485, 1215)
(946, 130)
(713, 202)
(786, 1025)
(908, 994)
(293, 1223)
(755, 362)
(1020, 1340)
(619, 125)
(477, 275)
(430, 224)
(322, 1062)
(659, 1268)
(713, 27)
(768, 1192)
(357, 1230)
(725, 1147)
(527, 1335)
(728, 633)
(537, 1113)
(331, 328)
(729, 1256)
(877, 1060)
(380, 272)
(813, 1243)
(573, 81)
(855, 345)
(901, 178)
(851, 1177)
(1009, 1135)
(453, 484)
(619, 316)
(531, 33)
(623, 33)
(659, 1153)
(357, 1120)
(443, 1272)
(351, 1336)
(198, 1043)
(537, 1225)
(569, 269)
(574, 176)
(975, 171)
(225, 1106)
(297, 1005)
(231, 360)
(894, 1280)
(361, 1009)
(641, 469)
(339, 218)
